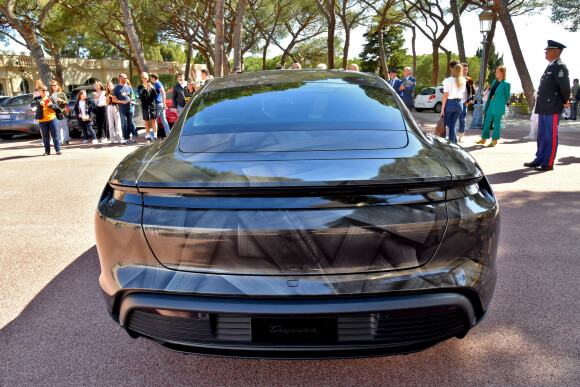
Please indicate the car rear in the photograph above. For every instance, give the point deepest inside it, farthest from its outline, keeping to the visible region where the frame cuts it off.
(17, 117)
(294, 219)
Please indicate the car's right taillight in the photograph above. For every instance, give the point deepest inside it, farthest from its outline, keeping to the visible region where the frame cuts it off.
(431, 97)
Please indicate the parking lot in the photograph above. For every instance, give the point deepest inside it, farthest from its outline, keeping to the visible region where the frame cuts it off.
(54, 329)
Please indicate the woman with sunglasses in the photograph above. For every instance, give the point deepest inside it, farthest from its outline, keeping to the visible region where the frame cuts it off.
(46, 109)
(60, 97)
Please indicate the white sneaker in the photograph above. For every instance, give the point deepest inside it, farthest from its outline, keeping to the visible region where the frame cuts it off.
(530, 138)
(131, 141)
(104, 140)
(95, 141)
(123, 141)
(85, 141)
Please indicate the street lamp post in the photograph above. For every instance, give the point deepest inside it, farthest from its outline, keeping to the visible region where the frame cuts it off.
(485, 19)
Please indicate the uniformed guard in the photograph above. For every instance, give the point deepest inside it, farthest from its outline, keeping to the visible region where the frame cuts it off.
(553, 95)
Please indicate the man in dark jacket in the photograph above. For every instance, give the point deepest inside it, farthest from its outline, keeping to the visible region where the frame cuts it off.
(553, 95)
(179, 91)
(148, 95)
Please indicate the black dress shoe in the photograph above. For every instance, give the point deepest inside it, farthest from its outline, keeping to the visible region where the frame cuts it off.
(545, 168)
(532, 164)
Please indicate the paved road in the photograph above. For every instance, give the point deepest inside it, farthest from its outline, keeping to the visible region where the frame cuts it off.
(54, 329)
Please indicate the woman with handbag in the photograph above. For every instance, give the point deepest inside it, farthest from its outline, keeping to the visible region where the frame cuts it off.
(83, 111)
(113, 116)
(60, 97)
(494, 108)
(453, 91)
(46, 109)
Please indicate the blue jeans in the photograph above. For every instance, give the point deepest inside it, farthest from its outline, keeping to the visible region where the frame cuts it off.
(161, 113)
(126, 121)
(462, 119)
(133, 127)
(452, 111)
(49, 129)
(87, 127)
(179, 110)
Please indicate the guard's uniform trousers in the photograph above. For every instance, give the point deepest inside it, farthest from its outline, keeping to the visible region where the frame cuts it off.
(547, 139)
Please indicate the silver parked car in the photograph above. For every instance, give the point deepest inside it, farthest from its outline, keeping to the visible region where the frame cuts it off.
(429, 98)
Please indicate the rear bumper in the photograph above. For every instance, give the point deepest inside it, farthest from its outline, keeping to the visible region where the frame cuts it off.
(365, 326)
(19, 127)
(424, 105)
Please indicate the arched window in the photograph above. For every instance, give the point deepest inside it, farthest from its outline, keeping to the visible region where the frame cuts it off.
(115, 81)
(2, 91)
(90, 81)
(25, 86)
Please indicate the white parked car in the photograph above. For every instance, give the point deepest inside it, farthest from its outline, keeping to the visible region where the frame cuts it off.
(429, 98)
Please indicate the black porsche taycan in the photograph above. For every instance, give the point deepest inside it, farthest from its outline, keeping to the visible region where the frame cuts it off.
(298, 214)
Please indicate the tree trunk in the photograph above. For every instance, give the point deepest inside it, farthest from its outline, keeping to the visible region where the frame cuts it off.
(238, 30)
(264, 53)
(345, 48)
(219, 38)
(188, 60)
(435, 74)
(414, 50)
(382, 52)
(489, 40)
(134, 41)
(512, 38)
(208, 64)
(330, 16)
(448, 54)
(458, 31)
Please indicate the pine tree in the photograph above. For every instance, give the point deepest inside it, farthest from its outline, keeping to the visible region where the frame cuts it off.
(492, 63)
(395, 53)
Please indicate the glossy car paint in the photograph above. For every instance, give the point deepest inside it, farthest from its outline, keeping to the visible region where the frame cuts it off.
(17, 117)
(350, 232)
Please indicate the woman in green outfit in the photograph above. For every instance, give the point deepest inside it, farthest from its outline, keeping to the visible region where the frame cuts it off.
(495, 107)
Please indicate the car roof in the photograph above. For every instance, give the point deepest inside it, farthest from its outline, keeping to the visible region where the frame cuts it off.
(257, 78)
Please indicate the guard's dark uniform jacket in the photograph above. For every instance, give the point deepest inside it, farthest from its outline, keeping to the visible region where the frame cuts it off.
(554, 89)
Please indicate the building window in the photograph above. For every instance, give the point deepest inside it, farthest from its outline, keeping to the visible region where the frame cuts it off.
(24, 86)
(2, 91)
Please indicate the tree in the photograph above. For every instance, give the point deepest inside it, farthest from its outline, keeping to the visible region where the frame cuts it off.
(135, 43)
(493, 61)
(429, 17)
(327, 7)
(395, 54)
(351, 13)
(566, 11)
(219, 38)
(24, 17)
(512, 38)
(458, 30)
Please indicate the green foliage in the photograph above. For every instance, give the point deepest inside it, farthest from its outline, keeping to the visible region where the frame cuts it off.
(394, 52)
(252, 63)
(493, 62)
(425, 68)
(566, 12)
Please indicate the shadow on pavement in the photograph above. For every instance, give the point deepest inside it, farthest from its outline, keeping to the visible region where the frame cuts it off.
(65, 337)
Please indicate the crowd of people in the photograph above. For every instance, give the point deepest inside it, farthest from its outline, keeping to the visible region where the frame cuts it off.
(111, 109)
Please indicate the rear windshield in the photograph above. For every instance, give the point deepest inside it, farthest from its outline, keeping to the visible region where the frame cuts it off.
(75, 94)
(427, 91)
(293, 106)
(19, 100)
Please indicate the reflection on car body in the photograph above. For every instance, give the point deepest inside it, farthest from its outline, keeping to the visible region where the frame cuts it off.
(297, 214)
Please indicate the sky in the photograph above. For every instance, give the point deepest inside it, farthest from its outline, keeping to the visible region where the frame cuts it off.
(533, 33)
